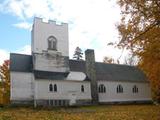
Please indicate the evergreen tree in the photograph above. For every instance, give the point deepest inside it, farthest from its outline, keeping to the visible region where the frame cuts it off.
(78, 54)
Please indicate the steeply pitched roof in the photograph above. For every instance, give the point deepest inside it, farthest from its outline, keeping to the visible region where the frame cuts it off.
(76, 65)
(115, 72)
(119, 72)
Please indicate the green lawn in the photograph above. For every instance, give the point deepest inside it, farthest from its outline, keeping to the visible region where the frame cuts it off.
(102, 112)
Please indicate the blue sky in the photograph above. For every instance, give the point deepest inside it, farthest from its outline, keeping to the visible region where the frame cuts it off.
(91, 24)
(12, 37)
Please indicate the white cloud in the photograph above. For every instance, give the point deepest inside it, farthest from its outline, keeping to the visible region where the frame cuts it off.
(91, 22)
(24, 50)
(24, 25)
(27, 8)
(4, 56)
(12, 6)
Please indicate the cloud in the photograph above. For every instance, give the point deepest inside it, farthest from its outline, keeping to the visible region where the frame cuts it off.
(27, 8)
(24, 25)
(4, 56)
(12, 6)
(24, 50)
(91, 22)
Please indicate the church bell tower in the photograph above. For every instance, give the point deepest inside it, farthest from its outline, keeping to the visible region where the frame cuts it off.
(50, 49)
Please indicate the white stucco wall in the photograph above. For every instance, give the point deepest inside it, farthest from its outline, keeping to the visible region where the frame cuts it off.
(50, 62)
(21, 86)
(111, 95)
(65, 89)
(42, 30)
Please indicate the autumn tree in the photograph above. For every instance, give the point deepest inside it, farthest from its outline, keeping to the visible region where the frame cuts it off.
(78, 54)
(110, 60)
(131, 60)
(5, 82)
(140, 32)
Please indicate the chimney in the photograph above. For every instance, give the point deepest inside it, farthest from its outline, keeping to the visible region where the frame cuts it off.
(91, 73)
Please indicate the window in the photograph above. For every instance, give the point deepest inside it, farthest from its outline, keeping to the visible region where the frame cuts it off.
(51, 102)
(58, 102)
(50, 87)
(119, 89)
(52, 43)
(102, 88)
(82, 88)
(55, 88)
(135, 89)
(63, 103)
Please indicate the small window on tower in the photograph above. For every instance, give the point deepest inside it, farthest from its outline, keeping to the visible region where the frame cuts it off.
(52, 43)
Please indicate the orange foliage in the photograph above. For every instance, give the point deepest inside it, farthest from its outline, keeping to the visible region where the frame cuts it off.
(110, 60)
(5, 83)
(140, 32)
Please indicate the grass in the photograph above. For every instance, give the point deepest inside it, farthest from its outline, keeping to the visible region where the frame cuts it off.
(102, 112)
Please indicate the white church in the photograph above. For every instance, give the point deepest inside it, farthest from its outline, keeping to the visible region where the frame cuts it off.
(48, 77)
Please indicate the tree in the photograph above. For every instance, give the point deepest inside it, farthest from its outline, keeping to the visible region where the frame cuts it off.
(110, 60)
(78, 54)
(140, 32)
(5, 82)
(131, 60)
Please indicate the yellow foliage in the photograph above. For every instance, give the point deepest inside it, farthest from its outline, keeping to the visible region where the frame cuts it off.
(108, 60)
(5, 83)
(140, 32)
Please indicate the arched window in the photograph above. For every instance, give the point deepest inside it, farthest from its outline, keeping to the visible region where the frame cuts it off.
(135, 89)
(119, 89)
(82, 88)
(50, 87)
(55, 88)
(52, 43)
(102, 88)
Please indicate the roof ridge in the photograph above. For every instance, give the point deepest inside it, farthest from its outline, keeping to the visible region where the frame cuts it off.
(104, 63)
(20, 54)
(115, 64)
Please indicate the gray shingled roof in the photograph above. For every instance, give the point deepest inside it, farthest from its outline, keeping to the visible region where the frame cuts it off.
(21, 62)
(104, 71)
(119, 72)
